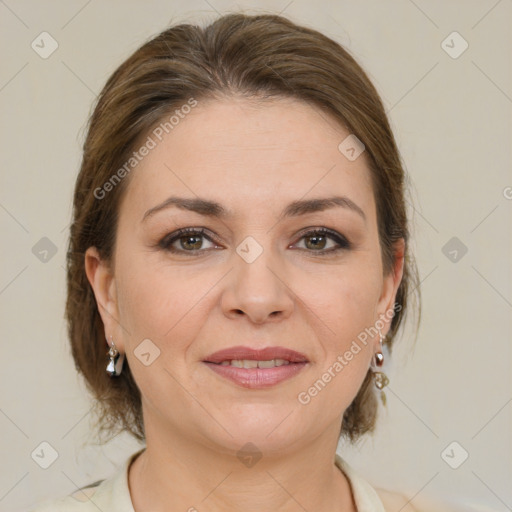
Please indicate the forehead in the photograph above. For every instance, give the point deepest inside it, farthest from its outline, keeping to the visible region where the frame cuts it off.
(249, 153)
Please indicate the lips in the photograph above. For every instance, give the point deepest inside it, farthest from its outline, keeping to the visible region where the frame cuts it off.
(284, 364)
(265, 354)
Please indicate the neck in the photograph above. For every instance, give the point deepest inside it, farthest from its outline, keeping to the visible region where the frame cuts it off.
(185, 475)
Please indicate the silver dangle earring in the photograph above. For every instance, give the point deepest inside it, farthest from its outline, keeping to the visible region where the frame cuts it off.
(115, 365)
(380, 378)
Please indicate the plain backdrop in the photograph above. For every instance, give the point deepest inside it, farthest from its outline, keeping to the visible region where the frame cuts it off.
(450, 395)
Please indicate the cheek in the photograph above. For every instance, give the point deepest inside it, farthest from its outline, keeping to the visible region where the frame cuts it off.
(159, 305)
(344, 299)
(339, 374)
(162, 302)
(148, 303)
(346, 307)
(355, 309)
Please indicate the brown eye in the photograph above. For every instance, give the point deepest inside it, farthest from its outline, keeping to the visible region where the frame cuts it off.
(316, 241)
(320, 241)
(191, 242)
(324, 241)
(186, 240)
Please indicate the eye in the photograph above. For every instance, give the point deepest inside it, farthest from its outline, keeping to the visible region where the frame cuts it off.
(186, 240)
(317, 240)
(192, 240)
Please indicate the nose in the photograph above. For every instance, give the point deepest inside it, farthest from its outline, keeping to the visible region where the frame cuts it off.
(258, 289)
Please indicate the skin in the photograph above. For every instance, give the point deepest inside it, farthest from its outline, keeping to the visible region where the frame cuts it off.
(254, 158)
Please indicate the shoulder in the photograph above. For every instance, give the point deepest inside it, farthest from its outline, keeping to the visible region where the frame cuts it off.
(79, 501)
(394, 501)
(110, 494)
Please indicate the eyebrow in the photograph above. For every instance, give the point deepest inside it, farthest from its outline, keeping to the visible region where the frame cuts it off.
(294, 209)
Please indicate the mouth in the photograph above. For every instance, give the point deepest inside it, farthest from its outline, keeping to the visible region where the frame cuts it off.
(256, 368)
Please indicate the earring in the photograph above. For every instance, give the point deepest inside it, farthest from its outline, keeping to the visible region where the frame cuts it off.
(115, 365)
(380, 378)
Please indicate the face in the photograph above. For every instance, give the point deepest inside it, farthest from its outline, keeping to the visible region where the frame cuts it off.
(260, 275)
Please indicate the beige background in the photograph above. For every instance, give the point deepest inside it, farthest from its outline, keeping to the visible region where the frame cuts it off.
(452, 121)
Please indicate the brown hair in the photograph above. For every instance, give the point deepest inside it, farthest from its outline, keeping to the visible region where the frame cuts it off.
(261, 56)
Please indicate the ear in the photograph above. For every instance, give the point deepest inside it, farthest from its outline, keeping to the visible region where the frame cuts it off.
(390, 286)
(103, 283)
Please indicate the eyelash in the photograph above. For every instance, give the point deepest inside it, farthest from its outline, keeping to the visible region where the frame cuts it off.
(168, 240)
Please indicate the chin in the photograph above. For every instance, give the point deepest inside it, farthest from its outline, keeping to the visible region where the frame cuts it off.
(270, 431)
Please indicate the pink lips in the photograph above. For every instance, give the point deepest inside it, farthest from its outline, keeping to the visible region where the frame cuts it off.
(264, 354)
(255, 378)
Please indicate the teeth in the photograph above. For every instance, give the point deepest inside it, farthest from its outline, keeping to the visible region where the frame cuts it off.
(268, 364)
(249, 363)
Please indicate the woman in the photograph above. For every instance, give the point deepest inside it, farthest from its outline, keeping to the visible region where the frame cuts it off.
(238, 260)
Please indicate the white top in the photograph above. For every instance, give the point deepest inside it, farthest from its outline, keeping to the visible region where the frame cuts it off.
(113, 493)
